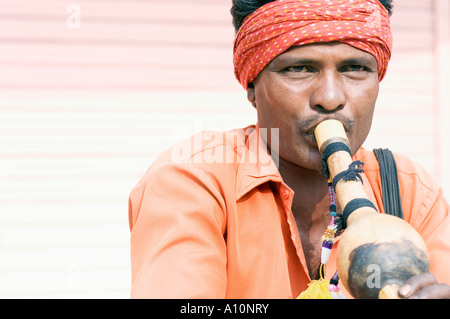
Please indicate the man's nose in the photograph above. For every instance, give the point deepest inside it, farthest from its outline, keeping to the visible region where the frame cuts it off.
(328, 94)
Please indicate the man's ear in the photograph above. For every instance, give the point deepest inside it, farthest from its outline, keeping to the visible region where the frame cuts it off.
(251, 94)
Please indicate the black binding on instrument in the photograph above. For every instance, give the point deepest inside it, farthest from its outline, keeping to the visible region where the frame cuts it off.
(390, 189)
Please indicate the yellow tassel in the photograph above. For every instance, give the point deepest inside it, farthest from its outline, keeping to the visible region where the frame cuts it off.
(317, 289)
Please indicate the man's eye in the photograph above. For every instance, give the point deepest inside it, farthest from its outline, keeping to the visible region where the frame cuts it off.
(354, 68)
(297, 69)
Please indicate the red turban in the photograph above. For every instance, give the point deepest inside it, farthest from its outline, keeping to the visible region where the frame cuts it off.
(278, 25)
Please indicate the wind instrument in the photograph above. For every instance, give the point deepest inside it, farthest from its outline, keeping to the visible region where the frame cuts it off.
(377, 252)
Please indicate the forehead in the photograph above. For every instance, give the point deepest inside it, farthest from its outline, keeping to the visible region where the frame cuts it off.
(326, 51)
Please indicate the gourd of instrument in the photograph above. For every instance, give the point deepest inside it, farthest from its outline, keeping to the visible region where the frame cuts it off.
(377, 252)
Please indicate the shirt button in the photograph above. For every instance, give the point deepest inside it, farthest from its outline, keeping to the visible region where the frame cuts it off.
(286, 194)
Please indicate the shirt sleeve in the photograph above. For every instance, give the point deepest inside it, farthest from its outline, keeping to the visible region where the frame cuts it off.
(435, 230)
(426, 209)
(178, 223)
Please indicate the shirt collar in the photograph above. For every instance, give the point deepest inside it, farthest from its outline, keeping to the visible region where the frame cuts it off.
(256, 164)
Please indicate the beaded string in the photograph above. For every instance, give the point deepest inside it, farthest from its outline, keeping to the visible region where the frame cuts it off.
(321, 288)
(327, 244)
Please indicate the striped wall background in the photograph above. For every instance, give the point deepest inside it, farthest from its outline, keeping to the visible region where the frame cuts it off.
(92, 90)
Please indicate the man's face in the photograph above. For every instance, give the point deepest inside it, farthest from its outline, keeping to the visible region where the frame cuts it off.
(307, 84)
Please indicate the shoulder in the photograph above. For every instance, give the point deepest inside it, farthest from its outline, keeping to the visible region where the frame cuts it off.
(195, 172)
(207, 160)
(408, 170)
(419, 192)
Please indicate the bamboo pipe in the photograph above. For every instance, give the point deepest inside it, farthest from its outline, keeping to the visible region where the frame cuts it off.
(377, 252)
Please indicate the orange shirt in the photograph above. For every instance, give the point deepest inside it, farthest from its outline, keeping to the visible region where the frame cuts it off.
(212, 218)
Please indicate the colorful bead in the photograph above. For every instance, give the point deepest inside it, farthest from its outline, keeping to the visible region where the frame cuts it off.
(333, 288)
(335, 279)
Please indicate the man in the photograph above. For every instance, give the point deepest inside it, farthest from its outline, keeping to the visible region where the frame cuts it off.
(222, 216)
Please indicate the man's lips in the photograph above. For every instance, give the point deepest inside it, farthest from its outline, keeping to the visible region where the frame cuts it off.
(307, 133)
(310, 129)
(310, 137)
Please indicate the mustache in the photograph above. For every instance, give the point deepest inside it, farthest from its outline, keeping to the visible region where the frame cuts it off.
(308, 125)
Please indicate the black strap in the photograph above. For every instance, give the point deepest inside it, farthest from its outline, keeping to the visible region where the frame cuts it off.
(354, 205)
(389, 182)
